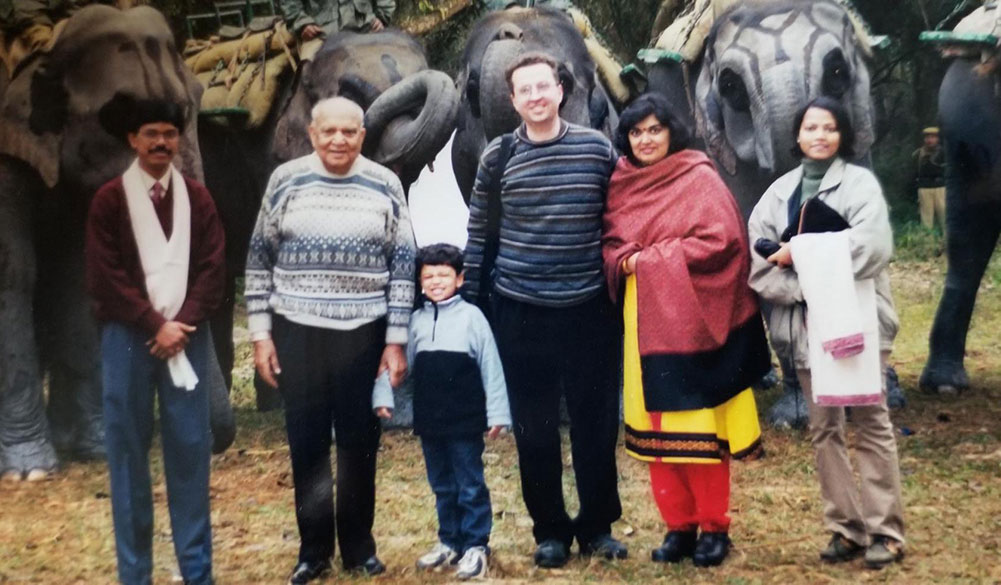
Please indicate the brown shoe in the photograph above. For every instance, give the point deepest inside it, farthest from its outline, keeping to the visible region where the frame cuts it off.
(883, 551)
(841, 549)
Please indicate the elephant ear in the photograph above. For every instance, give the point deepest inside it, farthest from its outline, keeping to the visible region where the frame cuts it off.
(473, 92)
(709, 122)
(33, 112)
(566, 80)
(292, 130)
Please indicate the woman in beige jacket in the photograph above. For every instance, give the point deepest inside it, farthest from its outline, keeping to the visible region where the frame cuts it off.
(867, 518)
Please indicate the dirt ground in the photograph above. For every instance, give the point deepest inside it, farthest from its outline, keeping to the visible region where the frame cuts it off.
(59, 531)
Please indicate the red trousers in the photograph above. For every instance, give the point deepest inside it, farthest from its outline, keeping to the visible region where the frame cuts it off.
(692, 495)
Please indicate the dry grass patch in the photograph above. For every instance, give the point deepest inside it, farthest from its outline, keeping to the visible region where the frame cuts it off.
(59, 532)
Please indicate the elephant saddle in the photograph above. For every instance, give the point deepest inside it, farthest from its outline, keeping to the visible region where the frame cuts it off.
(242, 75)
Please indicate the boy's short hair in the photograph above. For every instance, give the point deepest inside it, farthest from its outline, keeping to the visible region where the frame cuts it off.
(439, 254)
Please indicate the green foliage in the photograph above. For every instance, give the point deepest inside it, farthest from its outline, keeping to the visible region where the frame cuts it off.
(914, 242)
(623, 24)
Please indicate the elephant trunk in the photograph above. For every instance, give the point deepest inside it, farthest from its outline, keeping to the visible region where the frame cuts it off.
(783, 93)
(498, 113)
(411, 119)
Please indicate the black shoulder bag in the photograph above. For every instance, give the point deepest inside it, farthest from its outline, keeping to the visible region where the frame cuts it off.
(492, 243)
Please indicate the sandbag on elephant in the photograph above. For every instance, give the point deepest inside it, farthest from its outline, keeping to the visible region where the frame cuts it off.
(54, 154)
(743, 70)
(410, 113)
(486, 111)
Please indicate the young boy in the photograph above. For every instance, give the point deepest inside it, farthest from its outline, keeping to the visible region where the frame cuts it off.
(459, 393)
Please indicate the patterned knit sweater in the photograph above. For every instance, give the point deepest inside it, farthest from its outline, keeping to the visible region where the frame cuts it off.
(552, 199)
(332, 251)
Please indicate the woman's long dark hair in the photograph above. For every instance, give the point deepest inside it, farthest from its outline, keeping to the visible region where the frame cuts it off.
(664, 111)
(845, 148)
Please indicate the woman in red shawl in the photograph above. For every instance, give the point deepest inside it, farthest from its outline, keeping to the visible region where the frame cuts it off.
(676, 256)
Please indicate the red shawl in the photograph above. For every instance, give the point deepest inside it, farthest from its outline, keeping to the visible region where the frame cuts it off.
(692, 269)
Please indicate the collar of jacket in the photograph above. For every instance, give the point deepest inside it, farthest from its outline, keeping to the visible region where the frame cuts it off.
(832, 178)
(449, 302)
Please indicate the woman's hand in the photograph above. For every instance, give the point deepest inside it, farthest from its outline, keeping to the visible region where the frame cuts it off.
(783, 257)
(629, 264)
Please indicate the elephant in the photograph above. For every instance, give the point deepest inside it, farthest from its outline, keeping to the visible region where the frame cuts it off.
(54, 154)
(485, 110)
(970, 124)
(409, 114)
(754, 68)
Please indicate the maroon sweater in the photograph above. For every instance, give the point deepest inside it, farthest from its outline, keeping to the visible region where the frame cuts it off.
(115, 277)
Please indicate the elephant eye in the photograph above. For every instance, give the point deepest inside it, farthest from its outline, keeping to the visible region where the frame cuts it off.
(733, 91)
(127, 46)
(837, 75)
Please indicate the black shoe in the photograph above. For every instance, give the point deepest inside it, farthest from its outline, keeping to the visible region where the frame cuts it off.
(371, 567)
(678, 544)
(306, 571)
(840, 549)
(710, 549)
(551, 554)
(605, 546)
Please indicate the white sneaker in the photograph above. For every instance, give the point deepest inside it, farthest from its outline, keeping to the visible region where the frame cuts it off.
(473, 564)
(441, 554)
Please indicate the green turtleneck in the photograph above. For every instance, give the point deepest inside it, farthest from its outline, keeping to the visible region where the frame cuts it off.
(813, 174)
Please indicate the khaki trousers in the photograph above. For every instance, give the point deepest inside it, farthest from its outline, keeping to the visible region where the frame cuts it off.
(857, 512)
(931, 205)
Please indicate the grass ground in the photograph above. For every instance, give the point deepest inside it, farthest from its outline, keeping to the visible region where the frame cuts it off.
(59, 532)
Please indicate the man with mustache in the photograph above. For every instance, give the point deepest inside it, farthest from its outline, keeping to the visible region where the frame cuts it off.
(154, 262)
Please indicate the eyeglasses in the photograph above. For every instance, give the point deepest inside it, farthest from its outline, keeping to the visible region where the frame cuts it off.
(153, 134)
(540, 88)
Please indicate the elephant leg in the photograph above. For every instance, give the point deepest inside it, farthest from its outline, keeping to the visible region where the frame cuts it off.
(970, 239)
(790, 410)
(222, 332)
(69, 338)
(221, 419)
(25, 445)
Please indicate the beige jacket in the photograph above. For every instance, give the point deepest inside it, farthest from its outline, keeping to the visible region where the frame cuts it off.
(854, 192)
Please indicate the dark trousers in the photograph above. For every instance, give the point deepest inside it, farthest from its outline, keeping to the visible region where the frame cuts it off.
(130, 375)
(574, 351)
(327, 377)
(455, 472)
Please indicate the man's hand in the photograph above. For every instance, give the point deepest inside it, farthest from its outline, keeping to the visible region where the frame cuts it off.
(783, 257)
(170, 339)
(495, 431)
(266, 361)
(384, 413)
(377, 25)
(310, 32)
(395, 362)
(629, 264)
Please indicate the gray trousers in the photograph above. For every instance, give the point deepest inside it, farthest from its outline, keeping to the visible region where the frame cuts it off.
(873, 507)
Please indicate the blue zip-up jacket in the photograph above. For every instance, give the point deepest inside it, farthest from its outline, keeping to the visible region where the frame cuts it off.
(458, 380)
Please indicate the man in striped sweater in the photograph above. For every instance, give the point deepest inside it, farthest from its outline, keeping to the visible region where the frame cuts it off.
(329, 288)
(556, 329)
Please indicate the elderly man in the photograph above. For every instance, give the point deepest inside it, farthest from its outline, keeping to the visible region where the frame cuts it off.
(556, 329)
(329, 288)
(154, 260)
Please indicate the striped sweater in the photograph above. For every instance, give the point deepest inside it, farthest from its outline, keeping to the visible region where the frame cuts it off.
(332, 251)
(552, 200)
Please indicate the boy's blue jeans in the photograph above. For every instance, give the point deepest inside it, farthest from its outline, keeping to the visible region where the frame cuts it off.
(455, 472)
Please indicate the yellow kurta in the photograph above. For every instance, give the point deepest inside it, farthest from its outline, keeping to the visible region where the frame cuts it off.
(690, 436)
